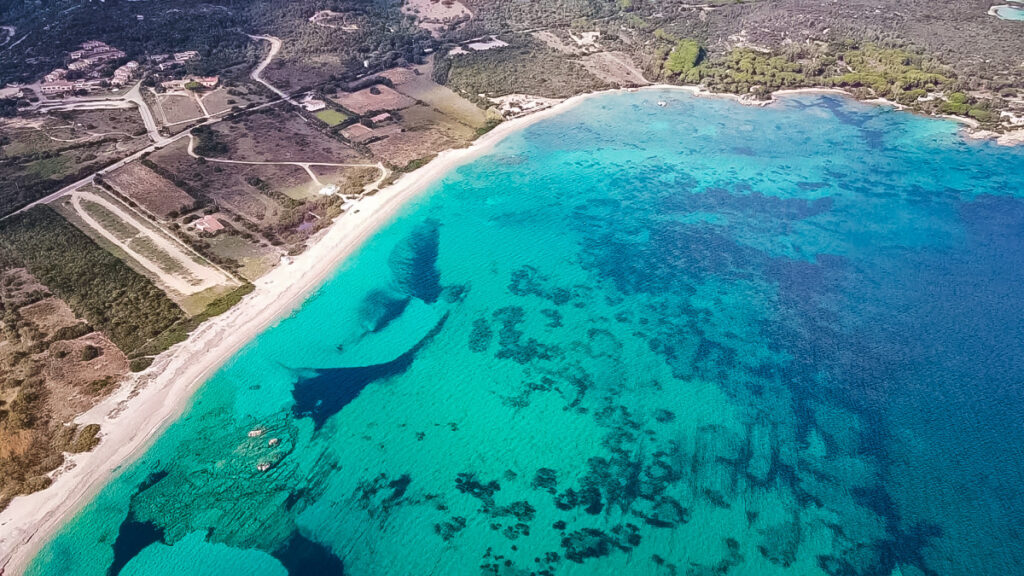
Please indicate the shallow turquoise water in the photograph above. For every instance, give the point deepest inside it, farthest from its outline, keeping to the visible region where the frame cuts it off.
(699, 339)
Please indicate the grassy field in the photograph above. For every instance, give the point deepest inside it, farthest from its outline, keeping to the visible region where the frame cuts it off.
(277, 134)
(156, 194)
(417, 83)
(331, 117)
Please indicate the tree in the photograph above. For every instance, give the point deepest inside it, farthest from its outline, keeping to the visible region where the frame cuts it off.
(684, 57)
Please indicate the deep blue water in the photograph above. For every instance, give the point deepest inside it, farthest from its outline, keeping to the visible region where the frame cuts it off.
(699, 339)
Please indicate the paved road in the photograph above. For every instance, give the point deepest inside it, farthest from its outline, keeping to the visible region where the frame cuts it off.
(132, 97)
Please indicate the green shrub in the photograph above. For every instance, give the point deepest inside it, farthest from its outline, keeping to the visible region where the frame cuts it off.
(87, 439)
(140, 364)
(90, 352)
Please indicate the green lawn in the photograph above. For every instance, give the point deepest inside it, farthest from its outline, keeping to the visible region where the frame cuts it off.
(331, 117)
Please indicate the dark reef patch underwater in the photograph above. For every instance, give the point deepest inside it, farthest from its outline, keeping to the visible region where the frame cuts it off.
(702, 339)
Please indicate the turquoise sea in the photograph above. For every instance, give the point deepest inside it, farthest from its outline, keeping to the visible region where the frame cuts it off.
(702, 339)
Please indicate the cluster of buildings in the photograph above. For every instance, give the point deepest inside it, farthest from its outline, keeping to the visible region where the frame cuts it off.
(92, 54)
(124, 74)
(86, 61)
(182, 83)
(168, 61)
(65, 86)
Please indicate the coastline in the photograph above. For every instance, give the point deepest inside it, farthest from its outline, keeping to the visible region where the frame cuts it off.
(146, 403)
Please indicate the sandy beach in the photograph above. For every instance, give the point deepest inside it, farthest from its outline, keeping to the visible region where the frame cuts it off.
(134, 415)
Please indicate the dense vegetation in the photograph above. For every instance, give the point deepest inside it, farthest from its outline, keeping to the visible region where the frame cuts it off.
(208, 142)
(61, 26)
(524, 67)
(179, 331)
(684, 57)
(27, 178)
(216, 31)
(115, 299)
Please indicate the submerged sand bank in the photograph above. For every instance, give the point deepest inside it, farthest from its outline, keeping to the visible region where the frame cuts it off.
(147, 403)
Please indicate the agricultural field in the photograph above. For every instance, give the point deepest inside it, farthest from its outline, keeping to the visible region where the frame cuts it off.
(331, 117)
(175, 108)
(378, 98)
(187, 278)
(39, 155)
(361, 134)
(256, 193)
(425, 133)
(278, 134)
(152, 192)
(417, 83)
(253, 259)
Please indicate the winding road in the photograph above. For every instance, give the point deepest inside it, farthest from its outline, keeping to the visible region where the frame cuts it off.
(134, 96)
(257, 72)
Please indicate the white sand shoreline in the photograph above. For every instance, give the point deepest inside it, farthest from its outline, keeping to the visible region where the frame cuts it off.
(134, 415)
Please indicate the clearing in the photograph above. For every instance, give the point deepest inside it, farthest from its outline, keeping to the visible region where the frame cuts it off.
(280, 135)
(379, 98)
(435, 15)
(173, 265)
(331, 117)
(153, 192)
(417, 83)
(175, 108)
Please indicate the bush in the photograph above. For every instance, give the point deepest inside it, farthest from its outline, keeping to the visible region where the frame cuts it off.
(87, 439)
(90, 352)
(140, 364)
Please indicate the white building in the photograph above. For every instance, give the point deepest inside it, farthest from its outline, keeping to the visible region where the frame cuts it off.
(186, 56)
(58, 87)
(312, 104)
(124, 74)
(56, 74)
